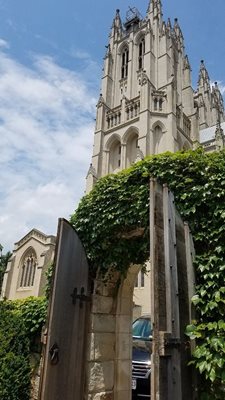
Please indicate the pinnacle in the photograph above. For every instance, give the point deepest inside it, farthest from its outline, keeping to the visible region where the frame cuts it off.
(117, 16)
(117, 23)
(169, 25)
(117, 13)
(154, 4)
(186, 62)
(202, 65)
(203, 70)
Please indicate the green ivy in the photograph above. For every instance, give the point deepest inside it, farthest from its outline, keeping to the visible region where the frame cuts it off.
(49, 280)
(119, 205)
(4, 258)
(20, 322)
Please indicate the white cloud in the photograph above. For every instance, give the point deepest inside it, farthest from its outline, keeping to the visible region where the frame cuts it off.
(4, 44)
(222, 88)
(46, 131)
(82, 55)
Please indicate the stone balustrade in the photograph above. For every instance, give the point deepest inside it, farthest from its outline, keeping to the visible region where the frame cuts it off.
(120, 115)
(132, 109)
(113, 117)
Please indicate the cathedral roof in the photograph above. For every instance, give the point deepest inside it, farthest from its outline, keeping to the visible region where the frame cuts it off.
(208, 134)
(36, 234)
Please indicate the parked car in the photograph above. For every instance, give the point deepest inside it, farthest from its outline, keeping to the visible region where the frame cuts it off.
(141, 357)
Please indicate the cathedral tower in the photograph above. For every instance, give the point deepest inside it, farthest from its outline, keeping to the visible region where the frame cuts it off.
(147, 104)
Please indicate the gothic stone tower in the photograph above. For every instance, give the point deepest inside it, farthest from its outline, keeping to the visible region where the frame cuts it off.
(147, 103)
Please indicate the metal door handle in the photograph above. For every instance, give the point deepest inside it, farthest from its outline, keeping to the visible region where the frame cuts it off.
(54, 354)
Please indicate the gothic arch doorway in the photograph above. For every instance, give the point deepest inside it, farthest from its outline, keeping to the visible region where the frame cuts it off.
(105, 363)
(110, 357)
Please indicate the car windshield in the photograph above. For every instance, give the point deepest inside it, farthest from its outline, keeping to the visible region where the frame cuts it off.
(142, 328)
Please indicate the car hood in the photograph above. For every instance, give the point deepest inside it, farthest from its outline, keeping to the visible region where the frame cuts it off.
(142, 350)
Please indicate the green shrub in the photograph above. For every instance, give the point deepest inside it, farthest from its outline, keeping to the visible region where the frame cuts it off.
(20, 322)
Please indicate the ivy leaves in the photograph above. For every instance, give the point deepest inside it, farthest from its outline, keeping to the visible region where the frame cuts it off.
(105, 218)
(119, 205)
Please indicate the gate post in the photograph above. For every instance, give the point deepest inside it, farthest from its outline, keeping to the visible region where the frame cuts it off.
(172, 286)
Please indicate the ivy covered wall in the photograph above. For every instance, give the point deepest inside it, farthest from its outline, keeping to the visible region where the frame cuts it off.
(113, 224)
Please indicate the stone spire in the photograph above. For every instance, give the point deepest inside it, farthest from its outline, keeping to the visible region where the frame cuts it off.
(217, 102)
(177, 29)
(91, 178)
(117, 26)
(219, 131)
(169, 25)
(219, 136)
(187, 63)
(203, 79)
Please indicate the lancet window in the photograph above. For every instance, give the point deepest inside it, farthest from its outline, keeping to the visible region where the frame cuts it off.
(125, 60)
(158, 104)
(28, 270)
(141, 54)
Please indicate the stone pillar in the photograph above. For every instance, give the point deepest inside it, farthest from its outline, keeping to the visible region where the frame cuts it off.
(105, 166)
(123, 156)
(102, 343)
(124, 314)
(110, 340)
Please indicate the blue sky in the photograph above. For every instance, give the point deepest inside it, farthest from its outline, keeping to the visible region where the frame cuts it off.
(50, 66)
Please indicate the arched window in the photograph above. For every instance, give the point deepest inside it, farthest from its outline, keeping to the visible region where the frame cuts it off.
(115, 156)
(160, 104)
(141, 54)
(28, 269)
(158, 140)
(142, 279)
(132, 145)
(125, 60)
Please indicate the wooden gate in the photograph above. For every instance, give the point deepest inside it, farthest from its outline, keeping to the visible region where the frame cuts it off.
(64, 359)
(172, 286)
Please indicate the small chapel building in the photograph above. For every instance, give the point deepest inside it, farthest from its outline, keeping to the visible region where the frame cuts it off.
(25, 275)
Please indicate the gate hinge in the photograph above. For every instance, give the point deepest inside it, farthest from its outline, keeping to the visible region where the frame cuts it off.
(82, 297)
(167, 343)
